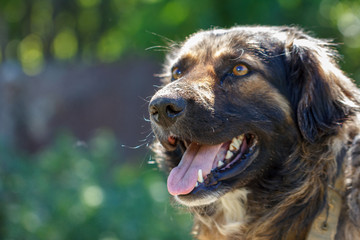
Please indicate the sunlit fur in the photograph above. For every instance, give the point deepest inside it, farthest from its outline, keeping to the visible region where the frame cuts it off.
(310, 113)
(228, 217)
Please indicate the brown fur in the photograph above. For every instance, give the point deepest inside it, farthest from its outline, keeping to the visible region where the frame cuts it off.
(304, 111)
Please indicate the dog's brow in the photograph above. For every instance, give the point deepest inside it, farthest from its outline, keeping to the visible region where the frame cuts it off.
(186, 60)
(229, 55)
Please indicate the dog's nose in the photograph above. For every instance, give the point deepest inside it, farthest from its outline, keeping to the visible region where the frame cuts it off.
(165, 110)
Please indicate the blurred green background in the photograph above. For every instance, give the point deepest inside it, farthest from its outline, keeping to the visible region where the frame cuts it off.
(75, 78)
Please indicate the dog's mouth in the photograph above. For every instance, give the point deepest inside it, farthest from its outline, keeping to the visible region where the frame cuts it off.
(204, 167)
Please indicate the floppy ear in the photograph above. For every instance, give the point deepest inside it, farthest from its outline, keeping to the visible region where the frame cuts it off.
(321, 95)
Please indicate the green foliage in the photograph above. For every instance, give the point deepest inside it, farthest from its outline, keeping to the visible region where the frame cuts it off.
(74, 191)
(104, 30)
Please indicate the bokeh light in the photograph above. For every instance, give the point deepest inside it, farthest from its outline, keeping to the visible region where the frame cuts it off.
(92, 196)
(65, 44)
(174, 13)
(31, 54)
(111, 45)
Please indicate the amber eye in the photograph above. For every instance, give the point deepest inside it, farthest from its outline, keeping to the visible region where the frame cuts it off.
(240, 70)
(176, 73)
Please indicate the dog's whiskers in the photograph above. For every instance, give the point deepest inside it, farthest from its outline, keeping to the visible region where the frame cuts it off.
(159, 48)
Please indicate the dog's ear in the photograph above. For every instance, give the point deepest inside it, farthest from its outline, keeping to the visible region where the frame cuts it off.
(321, 95)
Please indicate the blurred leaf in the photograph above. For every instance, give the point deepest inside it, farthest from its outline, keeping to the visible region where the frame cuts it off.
(111, 46)
(41, 18)
(289, 4)
(65, 44)
(14, 10)
(174, 13)
(89, 21)
(88, 3)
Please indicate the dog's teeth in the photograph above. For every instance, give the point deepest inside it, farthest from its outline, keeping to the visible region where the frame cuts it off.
(220, 163)
(200, 176)
(236, 143)
(229, 154)
(197, 184)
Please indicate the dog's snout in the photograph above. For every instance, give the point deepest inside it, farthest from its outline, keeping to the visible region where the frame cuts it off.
(166, 110)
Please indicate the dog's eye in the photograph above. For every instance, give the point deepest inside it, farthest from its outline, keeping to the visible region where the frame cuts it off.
(176, 73)
(240, 70)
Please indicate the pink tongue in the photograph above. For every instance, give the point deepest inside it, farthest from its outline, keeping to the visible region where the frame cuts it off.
(182, 179)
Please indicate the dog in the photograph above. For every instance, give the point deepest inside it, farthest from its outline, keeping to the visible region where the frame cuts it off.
(258, 128)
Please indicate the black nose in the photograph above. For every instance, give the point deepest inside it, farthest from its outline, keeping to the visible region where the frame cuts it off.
(165, 111)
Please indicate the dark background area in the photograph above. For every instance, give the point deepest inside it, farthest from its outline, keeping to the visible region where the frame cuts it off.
(75, 80)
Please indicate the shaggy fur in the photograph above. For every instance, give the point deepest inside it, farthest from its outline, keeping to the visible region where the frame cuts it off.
(294, 100)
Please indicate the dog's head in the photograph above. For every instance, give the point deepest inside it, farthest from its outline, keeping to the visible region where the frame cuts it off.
(235, 102)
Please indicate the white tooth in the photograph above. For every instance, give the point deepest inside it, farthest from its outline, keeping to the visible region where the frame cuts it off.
(240, 138)
(220, 163)
(229, 154)
(197, 184)
(200, 176)
(235, 144)
(232, 147)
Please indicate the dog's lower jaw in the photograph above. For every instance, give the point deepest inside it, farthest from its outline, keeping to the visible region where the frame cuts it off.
(223, 217)
(209, 199)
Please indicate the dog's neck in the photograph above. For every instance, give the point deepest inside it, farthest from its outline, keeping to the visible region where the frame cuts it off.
(250, 215)
(222, 218)
(230, 214)
(325, 225)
